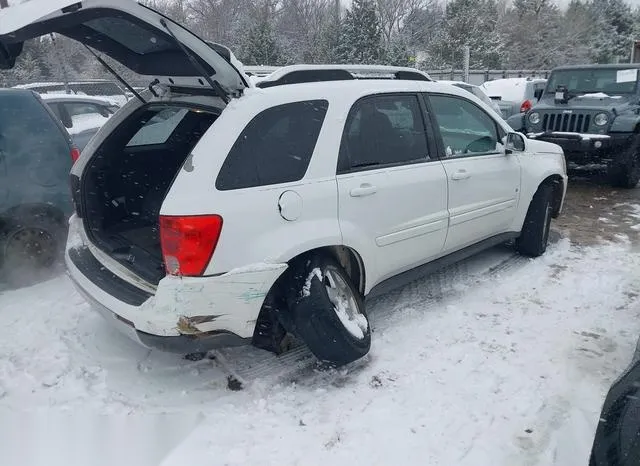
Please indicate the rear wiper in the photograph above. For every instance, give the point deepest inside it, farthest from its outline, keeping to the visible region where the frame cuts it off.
(113, 72)
(215, 85)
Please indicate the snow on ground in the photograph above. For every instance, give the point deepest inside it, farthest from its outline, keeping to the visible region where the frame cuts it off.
(499, 360)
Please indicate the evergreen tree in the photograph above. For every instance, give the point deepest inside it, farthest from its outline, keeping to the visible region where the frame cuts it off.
(473, 23)
(612, 30)
(261, 47)
(533, 35)
(398, 53)
(361, 38)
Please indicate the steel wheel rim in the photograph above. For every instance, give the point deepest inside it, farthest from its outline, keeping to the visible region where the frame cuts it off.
(32, 247)
(343, 299)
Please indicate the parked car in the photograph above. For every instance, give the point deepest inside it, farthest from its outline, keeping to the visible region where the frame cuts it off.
(81, 116)
(478, 92)
(95, 88)
(36, 155)
(317, 195)
(514, 95)
(593, 112)
(617, 438)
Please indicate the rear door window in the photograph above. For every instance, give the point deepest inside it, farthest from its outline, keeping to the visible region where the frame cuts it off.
(383, 130)
(275, 147)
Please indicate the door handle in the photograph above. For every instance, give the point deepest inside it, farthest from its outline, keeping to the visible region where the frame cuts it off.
(365, 189)
(460, 175)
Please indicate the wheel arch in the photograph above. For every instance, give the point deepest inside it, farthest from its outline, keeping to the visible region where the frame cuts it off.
(348, 258)
(557, 183)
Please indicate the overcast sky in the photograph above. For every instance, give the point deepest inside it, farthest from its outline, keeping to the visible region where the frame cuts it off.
(560, 3)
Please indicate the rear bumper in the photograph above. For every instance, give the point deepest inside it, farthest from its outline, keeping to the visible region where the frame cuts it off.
(185, 314)
(580, 147)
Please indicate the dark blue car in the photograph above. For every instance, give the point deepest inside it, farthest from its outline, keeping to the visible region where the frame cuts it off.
(617, 439)
(36, 155)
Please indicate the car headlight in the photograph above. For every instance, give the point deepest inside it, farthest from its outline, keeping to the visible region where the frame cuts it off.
(534, 118)
(601, 119)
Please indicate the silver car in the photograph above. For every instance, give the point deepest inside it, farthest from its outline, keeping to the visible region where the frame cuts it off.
(515, 95)
(83, 116)
(477, 91)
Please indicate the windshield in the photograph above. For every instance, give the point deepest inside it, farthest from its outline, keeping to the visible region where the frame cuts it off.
(606, 80)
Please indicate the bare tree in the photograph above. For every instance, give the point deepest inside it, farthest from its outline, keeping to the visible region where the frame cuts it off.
(4, 4)
(220, 20)
(300, 24)
(394, 12)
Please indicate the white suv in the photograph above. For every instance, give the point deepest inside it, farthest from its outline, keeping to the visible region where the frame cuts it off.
(211, 213)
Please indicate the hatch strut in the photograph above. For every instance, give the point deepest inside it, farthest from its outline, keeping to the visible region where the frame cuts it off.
(215, 85)
(113, 72)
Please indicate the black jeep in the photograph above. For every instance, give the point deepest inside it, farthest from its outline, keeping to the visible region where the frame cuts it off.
(593, 113)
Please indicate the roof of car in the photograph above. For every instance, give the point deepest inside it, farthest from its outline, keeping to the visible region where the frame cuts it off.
(446, 81)
(8, 90)
(352, 89)
(523, 80)
(59, 83)
(74, 97)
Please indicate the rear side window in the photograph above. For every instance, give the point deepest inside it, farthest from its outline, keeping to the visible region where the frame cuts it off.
(275, 147)
(27, 129)
(31, 140)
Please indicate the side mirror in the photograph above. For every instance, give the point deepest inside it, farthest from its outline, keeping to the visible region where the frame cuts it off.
(515, 143)
(538, 93)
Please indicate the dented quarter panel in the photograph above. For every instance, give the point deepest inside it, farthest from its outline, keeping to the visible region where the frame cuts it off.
(235, 299)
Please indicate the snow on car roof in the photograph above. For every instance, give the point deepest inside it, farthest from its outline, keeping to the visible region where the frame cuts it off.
(446, 81)
(83, 123)
(509, 89)
(49, 96)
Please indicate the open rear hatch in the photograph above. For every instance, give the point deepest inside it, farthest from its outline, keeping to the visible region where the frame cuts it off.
(137, 36)
(124, 182)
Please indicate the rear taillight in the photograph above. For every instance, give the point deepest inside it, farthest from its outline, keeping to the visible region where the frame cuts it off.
(526, 106)
(188, 242)
(75, 154)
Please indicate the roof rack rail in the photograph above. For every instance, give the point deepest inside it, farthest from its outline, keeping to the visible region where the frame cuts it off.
(298, 74)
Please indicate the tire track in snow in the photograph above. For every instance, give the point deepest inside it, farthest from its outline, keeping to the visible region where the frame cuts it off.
(255, 367)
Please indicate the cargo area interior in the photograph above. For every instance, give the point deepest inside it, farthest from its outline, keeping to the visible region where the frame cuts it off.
(125, 182)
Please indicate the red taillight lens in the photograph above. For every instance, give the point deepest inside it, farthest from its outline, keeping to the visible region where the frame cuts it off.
(75, 154)
(526, 106)
(188, 242)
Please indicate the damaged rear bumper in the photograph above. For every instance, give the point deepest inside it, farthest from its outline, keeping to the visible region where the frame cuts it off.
(185, 314)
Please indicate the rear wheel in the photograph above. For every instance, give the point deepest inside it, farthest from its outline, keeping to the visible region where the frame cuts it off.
(327, 310)
(534, 237)
(32, 248)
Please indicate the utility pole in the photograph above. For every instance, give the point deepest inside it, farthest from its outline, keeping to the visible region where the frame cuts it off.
(4, 4)
(465, 63)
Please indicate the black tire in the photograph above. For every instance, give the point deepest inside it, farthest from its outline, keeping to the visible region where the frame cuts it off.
(624, 171)
(534, 236)
(32, 248)
(315, 316)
